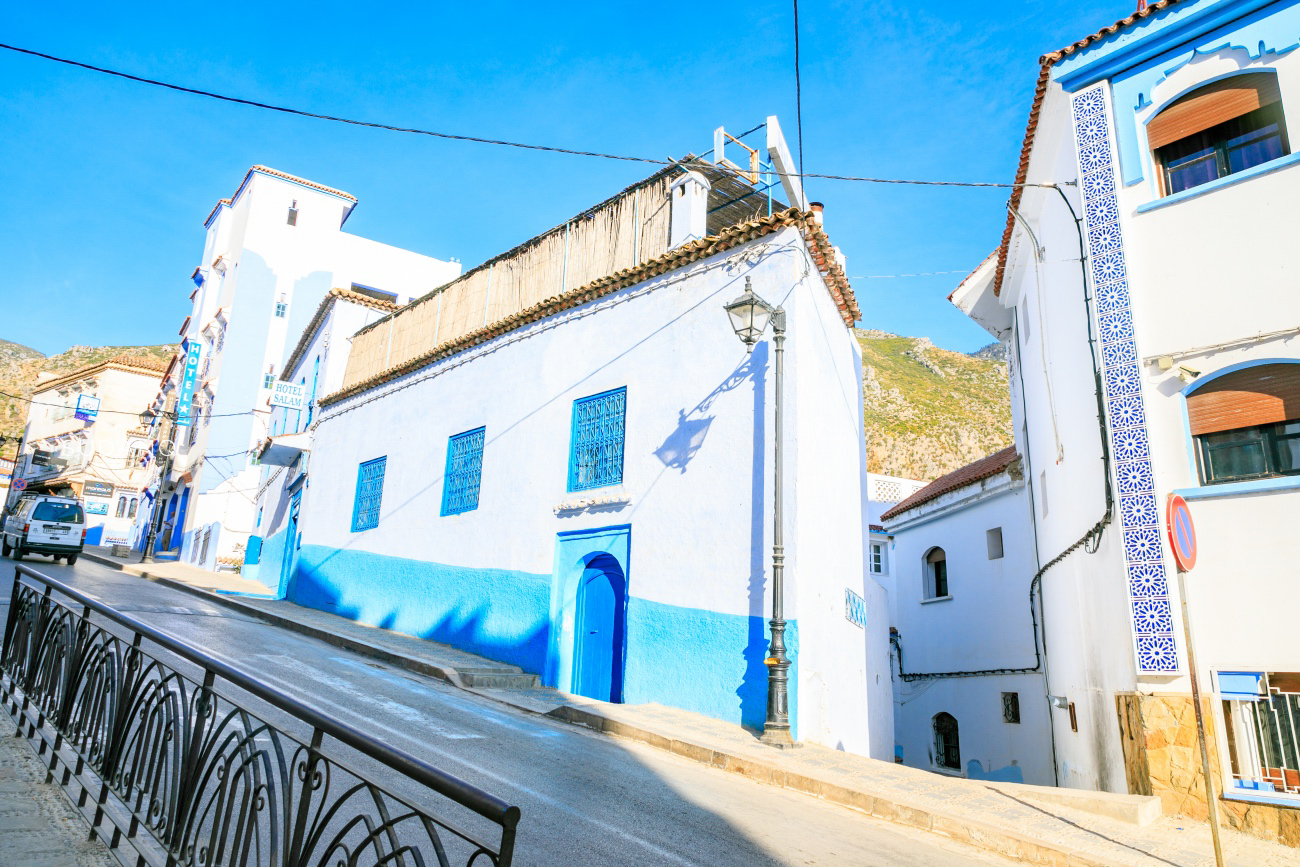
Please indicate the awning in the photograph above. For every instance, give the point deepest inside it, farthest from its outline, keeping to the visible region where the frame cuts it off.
(283, 450)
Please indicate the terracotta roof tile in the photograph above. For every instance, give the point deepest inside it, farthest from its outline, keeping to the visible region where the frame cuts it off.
(275, 173)
(959, 478)
(819, 248)
(1047, 61)
(326, 303)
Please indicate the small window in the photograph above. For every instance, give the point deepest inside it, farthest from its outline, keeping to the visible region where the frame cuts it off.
(281, 309)
(370, 493)
(1247, 424)
(464, 471)
(1261, 712)
(121, 507)
(293, 213)
(268, 380)
(1011, 707)
(947, 747)
(993, 539)
(1217, 130)
(877, 561)
(936, 574)
(596, 455)
(130, 509)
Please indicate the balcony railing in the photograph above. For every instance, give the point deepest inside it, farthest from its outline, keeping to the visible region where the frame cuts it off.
(176, 758)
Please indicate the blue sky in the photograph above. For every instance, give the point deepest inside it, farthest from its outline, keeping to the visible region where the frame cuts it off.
(107, 182)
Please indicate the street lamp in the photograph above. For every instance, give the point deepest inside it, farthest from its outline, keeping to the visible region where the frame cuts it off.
(750, 316)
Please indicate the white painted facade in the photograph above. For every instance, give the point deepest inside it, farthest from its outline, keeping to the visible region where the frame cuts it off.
(272, 252)
(1202, 280)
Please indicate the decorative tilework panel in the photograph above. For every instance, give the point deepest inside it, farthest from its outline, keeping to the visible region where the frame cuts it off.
(1139, 517)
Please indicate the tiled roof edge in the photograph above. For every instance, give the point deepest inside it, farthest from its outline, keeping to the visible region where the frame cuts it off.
(989, 465)
(319, 316)
(128, 363)
(819, 248)
(276, 173)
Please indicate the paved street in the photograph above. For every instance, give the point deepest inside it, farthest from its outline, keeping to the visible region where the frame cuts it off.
(586, 798)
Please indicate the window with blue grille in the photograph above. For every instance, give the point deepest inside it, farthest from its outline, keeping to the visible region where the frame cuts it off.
(370, 491)
(464, 470)
(596, 458)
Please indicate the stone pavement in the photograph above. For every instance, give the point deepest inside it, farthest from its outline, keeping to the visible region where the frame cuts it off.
(39, 827)
(1032, 824)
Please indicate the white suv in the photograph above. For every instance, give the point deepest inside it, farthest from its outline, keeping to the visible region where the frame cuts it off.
(45, 525)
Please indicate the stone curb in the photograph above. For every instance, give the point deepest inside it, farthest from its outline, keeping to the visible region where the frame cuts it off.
(972, 832)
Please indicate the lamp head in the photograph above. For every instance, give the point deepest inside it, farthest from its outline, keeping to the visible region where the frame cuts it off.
(749, 316)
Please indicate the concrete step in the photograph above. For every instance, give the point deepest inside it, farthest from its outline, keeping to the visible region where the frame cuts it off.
(488, 678)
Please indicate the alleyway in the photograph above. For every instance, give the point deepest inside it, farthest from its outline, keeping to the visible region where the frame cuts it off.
(586, 798)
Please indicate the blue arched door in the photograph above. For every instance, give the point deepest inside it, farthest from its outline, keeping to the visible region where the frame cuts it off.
(599, 624)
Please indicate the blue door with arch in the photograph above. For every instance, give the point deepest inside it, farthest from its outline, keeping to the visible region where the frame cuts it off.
(290, 541)
(600, 630)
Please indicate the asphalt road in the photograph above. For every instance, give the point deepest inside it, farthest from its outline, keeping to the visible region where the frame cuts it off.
(586, 798)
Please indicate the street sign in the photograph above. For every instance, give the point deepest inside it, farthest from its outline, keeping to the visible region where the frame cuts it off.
(41, 458)
(19, 485)
(188, 381)
(96, 489)
(288, 395)
(1182, 533)
(87, 407)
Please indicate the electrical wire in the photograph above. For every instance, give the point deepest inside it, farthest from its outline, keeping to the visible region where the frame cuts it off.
(798, 92)
(116, 411)
(483, 140)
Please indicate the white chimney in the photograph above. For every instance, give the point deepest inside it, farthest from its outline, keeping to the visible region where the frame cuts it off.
(690, 212)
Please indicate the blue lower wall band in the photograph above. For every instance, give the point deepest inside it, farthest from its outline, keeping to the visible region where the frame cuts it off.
(697, 660)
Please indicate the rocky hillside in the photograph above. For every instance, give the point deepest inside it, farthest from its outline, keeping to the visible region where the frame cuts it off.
(21, 366)
(930, 410)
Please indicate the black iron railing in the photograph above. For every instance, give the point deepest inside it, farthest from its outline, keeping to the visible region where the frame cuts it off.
(176, 758)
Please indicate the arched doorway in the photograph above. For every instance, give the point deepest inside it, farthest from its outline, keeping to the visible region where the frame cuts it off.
(947, 746)
(599, 630)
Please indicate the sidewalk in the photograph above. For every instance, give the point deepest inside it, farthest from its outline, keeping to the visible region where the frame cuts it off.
(38, 825)
(1038, 825)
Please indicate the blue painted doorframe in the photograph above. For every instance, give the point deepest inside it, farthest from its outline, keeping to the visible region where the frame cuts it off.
(590, 586)
(290, 543)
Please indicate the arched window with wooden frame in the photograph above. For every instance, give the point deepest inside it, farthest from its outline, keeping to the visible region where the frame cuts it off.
(1246, 423)
(1225, 127)
(936, 574)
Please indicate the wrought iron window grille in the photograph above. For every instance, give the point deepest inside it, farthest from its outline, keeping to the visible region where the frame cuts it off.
(172, 756)
(370, 493)
(463, 473)
(596, 456)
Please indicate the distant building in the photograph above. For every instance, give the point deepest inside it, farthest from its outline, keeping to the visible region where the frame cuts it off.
(1167, 361)
(563, 460)
(88, 424)
(273, 250)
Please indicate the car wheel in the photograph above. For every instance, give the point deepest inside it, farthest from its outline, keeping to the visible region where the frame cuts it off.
(71, 558)
(4, 546)
(16, 553)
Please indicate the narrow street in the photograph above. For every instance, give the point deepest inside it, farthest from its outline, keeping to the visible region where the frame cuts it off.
(586, 798)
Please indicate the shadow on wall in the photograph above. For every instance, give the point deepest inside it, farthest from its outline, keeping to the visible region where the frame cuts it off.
(753, 688)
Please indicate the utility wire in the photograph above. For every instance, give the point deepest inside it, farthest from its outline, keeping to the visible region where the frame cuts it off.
(798, 91)
(502, 142)
(115, 411)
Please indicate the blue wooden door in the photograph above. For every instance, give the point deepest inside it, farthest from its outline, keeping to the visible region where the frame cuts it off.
(290, 541)
(599, 626)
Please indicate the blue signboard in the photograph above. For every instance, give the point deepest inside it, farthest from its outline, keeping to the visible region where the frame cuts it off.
(188, 381)
(87, 407)
(96, 508)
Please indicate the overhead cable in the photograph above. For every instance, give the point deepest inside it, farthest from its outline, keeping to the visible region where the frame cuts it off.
(483, 140)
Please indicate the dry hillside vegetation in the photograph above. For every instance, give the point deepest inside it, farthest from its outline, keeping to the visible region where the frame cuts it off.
(929, 410)
(21, 366)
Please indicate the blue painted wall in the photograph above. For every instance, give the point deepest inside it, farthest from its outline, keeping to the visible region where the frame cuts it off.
(700, 661)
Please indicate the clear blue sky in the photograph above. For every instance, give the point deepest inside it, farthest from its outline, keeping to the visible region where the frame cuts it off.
(106, 182)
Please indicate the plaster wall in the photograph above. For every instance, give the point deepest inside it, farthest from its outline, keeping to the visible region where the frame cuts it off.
(696, 495)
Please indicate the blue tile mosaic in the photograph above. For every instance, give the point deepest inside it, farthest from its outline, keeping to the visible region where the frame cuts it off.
(1152, 617)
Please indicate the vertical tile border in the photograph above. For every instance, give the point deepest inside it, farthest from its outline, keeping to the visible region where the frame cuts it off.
(1151, 614)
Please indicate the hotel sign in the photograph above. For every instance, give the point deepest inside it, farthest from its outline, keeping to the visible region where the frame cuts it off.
(189, 379)
(288, 395)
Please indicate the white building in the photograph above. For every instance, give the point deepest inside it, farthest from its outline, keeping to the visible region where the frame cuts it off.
(563, 460)
(1167, 361)
(89, 422)
(272, 252)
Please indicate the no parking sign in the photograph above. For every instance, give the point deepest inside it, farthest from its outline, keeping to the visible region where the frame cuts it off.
(1182, 533)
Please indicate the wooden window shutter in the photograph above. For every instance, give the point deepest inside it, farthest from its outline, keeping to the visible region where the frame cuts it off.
(1266, 394)
(1216, 103)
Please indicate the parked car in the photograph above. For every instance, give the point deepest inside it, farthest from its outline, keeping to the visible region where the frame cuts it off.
(45, 525)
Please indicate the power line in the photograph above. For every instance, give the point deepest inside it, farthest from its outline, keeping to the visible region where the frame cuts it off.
(113, 411)
(502, 142)
(798, 91)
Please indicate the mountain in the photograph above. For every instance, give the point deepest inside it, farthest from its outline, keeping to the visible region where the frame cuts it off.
(930, 410)
(21, 366)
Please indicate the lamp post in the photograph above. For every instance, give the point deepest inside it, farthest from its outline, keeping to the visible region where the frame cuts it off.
(750, 316)
(155, 520)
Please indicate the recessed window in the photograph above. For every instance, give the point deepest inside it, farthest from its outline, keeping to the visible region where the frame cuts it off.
(936, 574)
(268, 380)
(281, 309)
(464, 472)
(1217, 130)
(293, 213)
(877, 558)
(596, 455)
(1011, 707)
(1247, 424)
(370, 494)
(947, 747)
(993, 540)
(1261, 712)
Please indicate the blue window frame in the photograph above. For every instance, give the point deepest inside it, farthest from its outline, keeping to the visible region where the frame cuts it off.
(370, 491)
(596, 455)
(464, 471)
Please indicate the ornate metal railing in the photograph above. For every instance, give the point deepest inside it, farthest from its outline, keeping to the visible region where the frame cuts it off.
(176, 758)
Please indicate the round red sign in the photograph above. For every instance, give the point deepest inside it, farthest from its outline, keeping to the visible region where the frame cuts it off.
(1182, 533)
